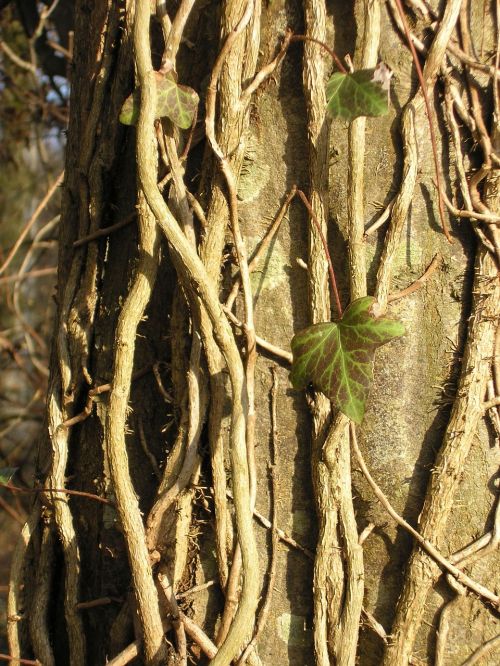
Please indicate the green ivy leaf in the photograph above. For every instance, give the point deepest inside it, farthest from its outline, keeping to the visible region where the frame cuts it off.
(176, 102)
(362, 93)
(6, 474)
(130, 109)
(337, 357)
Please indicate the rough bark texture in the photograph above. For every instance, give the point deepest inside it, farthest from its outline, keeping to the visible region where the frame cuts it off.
(415, 376)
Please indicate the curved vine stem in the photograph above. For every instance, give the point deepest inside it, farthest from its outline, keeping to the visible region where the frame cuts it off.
(196, 279)
(423, 87)
(116, 417)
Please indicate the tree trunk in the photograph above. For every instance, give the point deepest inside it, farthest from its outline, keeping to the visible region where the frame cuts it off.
(153, 396)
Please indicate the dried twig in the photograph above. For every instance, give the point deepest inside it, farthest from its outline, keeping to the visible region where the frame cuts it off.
(18, 660)
(106, 231)
(19, 62)
(29, 224)
(36, 273)
(261, 342)
(473, 585)
(483, 651)
(282, 535)
(263, 245)
(419, 282)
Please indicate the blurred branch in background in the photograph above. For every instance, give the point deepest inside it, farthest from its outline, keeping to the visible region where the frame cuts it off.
(36, 42)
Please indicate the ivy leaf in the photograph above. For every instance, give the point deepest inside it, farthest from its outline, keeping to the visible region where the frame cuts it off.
(6, 474)
(130, 109)
(177, 102)
(173, 101)
(337, 357)
(362, 93)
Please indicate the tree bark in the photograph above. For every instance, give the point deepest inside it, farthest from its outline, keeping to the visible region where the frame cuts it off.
(139, 310)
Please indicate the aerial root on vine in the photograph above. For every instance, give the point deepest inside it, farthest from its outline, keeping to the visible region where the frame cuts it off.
(381, 219)
(419, 282)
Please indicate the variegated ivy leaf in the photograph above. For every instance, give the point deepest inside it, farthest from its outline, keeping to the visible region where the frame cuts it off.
(173, 101)
(361, 93)
(337, 357)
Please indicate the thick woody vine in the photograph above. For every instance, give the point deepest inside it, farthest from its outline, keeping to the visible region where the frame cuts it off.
(164, 114)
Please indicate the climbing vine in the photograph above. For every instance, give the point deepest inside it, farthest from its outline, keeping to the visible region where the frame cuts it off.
(184, 133)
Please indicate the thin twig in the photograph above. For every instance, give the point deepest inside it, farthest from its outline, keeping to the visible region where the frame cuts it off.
(366, 533)
(488, 218)
(36, 273)
(282, 535)
(375, 625)
(419, 282)
(66, 491)
(473, 585)
(197, 209)
(180, 633)
(331, 53)
(444, 626)
(261, 342)
(423, 87)
(483, 651)
(97, 603)
(106, 231)
(126, 655)
(23, 64)
(18, 660)
(382, 219)
(263, 245)
(333, 281)
(29, 224)
(195, 589)
(198, 636)
(12, 512)
(266, 71)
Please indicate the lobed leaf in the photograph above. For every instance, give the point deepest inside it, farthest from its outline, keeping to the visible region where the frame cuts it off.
(337, 357)
(173, 101)
(362, 93)
(176, 102)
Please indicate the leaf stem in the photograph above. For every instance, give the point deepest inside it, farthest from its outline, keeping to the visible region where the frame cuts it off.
(331, 52)
(333, 281)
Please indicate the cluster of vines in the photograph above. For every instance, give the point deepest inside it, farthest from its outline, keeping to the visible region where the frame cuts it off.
(196, 238)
